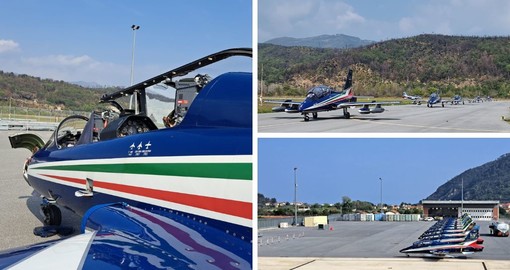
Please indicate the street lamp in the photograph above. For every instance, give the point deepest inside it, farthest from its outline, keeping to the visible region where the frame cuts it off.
(134, 27)
(295, 196)
(381, 196)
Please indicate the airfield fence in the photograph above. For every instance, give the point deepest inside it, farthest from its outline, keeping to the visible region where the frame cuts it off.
(275, 222)
(37, 114)
(266, 223)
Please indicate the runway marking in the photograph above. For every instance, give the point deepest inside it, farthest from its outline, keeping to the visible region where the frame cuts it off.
(299, 266)
(434, 127)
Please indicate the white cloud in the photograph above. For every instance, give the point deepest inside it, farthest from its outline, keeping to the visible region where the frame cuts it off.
(60, 60)
(70, 68)
(456, 17)
(8, 46)
(380, 20)
(305, 18)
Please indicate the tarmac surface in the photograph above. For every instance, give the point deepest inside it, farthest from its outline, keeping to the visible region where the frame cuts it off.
(483, 117)
(19, 210)
(362, 244)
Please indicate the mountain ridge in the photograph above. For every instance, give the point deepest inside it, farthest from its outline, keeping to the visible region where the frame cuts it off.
(339, 41)
(489, 181)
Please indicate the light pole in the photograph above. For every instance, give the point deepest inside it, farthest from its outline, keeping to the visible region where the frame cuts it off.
(295, 196)
(381, 195)
(462, 197)
(134, 27)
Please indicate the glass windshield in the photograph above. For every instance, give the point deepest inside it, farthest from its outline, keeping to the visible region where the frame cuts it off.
(160, 102)
(68, 133)
(318, 92)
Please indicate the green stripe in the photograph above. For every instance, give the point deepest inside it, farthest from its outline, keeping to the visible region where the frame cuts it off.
(242, 171)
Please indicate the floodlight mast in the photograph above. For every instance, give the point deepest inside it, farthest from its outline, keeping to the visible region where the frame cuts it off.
(295, 196)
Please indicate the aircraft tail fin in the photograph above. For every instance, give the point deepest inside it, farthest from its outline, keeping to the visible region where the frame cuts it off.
(348, 80)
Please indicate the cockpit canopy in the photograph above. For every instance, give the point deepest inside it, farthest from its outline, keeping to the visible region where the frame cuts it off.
(318, 92)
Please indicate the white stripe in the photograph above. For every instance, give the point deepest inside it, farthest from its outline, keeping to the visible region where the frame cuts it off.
(165, 159)
(230, 189)
(66, 254)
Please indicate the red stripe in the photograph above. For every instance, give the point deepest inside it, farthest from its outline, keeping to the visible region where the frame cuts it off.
(225, 206)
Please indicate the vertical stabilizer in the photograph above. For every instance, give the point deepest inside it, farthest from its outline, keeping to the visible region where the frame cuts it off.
(348, 80)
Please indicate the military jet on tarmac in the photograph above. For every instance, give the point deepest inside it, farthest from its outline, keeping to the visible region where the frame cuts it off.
(177, 196)
(435, 98)
(457, 100)
(323, 98)
(415, 99)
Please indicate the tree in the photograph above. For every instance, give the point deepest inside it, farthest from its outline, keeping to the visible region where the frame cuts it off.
(346, 205)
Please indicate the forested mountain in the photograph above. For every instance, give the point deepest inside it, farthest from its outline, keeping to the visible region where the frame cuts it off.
(33, 92)
(469, 66)
(323, 41)
(490, 181)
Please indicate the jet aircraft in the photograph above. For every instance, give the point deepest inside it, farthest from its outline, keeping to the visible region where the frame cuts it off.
(435, 98)
(323, 98)
(415, 99)
(457, 100)
(151, 197)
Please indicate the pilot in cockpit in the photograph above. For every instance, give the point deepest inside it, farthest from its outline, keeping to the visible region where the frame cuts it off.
(170, 120)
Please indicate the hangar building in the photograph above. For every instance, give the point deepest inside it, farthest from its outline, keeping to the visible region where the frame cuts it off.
(479, 210)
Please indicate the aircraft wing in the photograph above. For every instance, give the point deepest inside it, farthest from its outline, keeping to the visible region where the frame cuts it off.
(363, 104)
(289, 102)
(124, 237)
(285, 105)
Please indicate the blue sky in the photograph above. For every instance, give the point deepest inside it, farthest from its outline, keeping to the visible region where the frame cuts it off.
(91, 40)
(381, 20)
(411, 168)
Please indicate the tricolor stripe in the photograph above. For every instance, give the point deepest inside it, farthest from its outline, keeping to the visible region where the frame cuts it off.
(229, 207)
(217, 187)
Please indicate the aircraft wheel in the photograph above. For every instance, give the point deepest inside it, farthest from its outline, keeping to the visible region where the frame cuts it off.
(52, 215)
(347, 115)
(442, 104)
(315, 115)
(307, 118)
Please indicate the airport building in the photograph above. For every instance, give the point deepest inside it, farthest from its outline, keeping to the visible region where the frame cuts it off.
(479, 210)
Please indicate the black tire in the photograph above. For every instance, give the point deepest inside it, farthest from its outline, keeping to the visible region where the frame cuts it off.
(52, 215)
(347, 115)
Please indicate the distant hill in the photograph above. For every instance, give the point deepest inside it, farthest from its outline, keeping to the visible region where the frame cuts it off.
(469, 66)
(490, 181)
(338, 41)
(33, 92)
(93, 85)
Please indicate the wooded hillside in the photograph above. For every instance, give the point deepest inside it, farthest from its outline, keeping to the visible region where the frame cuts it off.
(469, 66)
(490, 181)
(33, 92)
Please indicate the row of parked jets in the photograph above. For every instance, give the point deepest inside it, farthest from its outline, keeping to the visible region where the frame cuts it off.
(324, 98)
(448, 237)
(435, 98)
